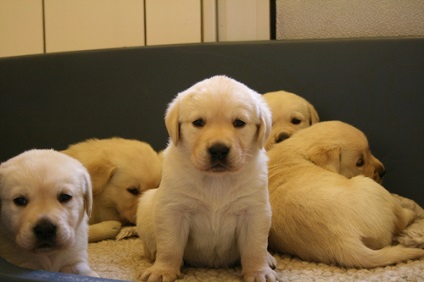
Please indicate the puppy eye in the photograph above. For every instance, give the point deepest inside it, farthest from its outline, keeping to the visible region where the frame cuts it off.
(64, 198)
(21, 201)
(295, 121)
(360, 162)
(239, 123)
(198, 122)
(133, 190)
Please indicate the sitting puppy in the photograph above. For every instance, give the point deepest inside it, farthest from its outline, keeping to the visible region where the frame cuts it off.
(121, 170)
(45, 201)
(211, 208)
(290, 113)
(326, 207)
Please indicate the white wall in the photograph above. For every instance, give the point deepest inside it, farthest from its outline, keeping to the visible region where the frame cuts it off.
(44, 26)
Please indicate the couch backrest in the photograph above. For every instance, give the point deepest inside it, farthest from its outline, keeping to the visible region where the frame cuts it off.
(50, 101)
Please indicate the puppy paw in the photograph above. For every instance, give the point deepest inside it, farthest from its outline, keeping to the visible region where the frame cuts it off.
(272, 262)
(103, 230)
(126, 232)
(413, 236)
(266, 275)
(155, 274)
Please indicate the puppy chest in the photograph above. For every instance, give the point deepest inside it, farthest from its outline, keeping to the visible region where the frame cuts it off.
(212, 239)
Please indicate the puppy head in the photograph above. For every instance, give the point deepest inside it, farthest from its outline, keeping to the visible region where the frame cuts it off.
(121, 170)
(45, 196)
(290, 113)
(341, 148)
(220, 123)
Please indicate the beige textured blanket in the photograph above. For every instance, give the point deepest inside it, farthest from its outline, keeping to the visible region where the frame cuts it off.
(123, 260)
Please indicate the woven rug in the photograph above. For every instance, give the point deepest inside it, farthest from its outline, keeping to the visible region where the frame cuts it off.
(123, 260)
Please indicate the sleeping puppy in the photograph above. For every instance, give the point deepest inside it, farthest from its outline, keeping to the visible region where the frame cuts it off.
(45, 201)
(290, 113)
(121, 170)
(327, 206)
(211, 208)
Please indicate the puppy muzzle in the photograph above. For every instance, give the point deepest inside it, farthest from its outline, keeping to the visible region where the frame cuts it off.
(379, 174)
(218, 157)
(282, 136)
(45, 234)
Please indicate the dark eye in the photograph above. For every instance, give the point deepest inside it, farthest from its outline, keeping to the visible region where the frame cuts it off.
(360, 162)
(21, 201)
(64, 198)
(133, 190)
(239, 123)
(198, 122)
(295, 121)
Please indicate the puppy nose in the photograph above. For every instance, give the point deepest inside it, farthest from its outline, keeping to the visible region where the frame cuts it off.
(281, 137)
(381, 172)
(219, 152)
(45, 229)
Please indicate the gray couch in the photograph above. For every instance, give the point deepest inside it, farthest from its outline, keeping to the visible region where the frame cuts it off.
(50, 101)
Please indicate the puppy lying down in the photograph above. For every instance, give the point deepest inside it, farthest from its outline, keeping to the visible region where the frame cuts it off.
(211, 208)
(45, 200)
(326, 206)
(121, 170)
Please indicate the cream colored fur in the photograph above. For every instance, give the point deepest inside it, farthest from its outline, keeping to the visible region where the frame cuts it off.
(326, 207)
(208, 212)
(121, 170)
(290, 113)
(45, 200)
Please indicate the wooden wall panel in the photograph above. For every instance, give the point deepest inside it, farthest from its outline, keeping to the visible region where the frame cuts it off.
(93, 24)
(240, 20)
(21, 27)
(173, 22)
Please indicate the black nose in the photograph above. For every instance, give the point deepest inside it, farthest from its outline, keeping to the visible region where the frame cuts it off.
(382, 172)
(281, 137)
(218, 152)
(45, 230)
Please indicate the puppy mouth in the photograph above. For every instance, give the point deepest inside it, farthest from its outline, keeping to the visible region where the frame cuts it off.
(45, 247)
(218, 167)
(378, 179)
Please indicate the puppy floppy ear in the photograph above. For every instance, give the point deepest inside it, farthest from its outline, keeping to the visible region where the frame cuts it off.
(100, 172)
(264, 128)
(87, 192)
(326, 157)
(172, 120)
(313, 114)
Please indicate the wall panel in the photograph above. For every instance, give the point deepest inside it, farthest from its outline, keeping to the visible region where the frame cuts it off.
(93, 24)
(173, 22)
(21, 27)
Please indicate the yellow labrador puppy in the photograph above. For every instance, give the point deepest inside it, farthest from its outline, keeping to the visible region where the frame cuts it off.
(290, 113)
(326, 206)
(211, 208)
(121, 170)
(45, 200)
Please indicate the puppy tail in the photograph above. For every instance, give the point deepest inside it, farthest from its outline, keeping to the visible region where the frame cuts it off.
(370, 258)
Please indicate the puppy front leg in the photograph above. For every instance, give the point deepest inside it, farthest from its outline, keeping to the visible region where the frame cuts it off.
(256, 262)
(80, 268)
(171, 240)
(103, 230)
